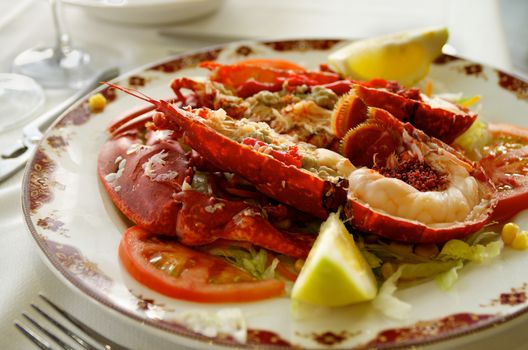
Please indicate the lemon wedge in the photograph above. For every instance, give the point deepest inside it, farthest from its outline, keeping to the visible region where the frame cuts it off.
(404, 57)
(335, 272)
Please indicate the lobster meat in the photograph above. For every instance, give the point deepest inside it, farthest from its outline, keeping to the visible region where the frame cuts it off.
(305, 113)
(326, 180)
(249, 92)
(412, 187)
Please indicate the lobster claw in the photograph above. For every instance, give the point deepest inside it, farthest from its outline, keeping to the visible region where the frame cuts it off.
(204, 219)
(142, 178)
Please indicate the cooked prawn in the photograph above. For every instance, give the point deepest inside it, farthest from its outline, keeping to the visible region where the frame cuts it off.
(435, 208)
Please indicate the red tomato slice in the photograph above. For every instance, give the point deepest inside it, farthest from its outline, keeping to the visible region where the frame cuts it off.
(505, 161)
(272, 63)
(286, 272)
(180, 272)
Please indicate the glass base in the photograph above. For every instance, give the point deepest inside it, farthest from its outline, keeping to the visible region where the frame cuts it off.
(21, 98)
(51, 69)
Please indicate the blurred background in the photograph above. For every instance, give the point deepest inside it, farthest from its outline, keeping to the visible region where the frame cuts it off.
(140, 31)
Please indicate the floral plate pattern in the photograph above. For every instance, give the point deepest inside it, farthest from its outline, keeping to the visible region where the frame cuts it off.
(78, 229)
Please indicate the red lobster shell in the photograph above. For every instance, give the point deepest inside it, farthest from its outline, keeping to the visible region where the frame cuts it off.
(398, 149)
(145, 176)
(205, 131)
(435, 116)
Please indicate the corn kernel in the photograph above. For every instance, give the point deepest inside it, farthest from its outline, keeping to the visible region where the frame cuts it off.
(401, 248)
(299, 263)
(520, 242)
(429, 88)
(97, 103)
(426, 250)
(470, 101)
(388, 269)
(509, 232)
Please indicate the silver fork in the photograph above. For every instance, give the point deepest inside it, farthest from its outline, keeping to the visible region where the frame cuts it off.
(40, 341)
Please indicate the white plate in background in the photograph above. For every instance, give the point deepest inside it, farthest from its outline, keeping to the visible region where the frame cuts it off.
(147, 12)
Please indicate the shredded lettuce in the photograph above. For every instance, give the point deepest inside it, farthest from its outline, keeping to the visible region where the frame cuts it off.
(482, 237)
(386, 303)
(428, 270)
(445, 280)
(371, 259)
(250, 260)
(443, 267)
(444, 273)
(474, 139)
(200, 182)
(459, 250)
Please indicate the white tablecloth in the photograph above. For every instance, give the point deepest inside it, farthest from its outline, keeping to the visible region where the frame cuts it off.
(23, 274)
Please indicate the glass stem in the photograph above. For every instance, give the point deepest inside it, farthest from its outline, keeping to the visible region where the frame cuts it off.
(64, 44)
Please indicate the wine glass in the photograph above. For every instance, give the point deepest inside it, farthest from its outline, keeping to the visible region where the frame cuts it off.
(59, 66)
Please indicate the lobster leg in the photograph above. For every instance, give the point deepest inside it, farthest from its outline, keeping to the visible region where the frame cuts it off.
(246, 80)
(204, 219)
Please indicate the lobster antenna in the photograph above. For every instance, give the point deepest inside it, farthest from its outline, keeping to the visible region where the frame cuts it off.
(132, 92)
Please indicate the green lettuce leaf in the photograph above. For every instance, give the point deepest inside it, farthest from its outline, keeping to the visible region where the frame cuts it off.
(459, 250)
(388, 304)
(250, 260)
(445, 280)
(426, 270)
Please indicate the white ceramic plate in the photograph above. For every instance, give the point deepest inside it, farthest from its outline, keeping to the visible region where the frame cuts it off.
(151, 12)
(78, 229)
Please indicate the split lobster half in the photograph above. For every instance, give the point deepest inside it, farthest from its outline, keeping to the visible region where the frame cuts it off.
(392, 179)
(435, 116)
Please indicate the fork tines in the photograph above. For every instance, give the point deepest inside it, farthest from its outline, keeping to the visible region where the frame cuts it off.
(42, 343)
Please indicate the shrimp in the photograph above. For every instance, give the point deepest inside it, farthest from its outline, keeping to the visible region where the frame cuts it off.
(409, 186)
(435, 208)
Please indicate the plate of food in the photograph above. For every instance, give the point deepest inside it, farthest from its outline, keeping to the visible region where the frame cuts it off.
(255, 195)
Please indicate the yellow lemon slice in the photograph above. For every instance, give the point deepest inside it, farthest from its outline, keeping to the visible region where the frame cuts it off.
(335, 272)
(404, 57)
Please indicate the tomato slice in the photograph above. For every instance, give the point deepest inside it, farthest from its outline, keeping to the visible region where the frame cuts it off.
(183, 273)
(505, 161)
(276, 63)
(287, 272)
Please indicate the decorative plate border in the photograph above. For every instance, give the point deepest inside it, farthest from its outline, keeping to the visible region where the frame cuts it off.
(38, 186)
